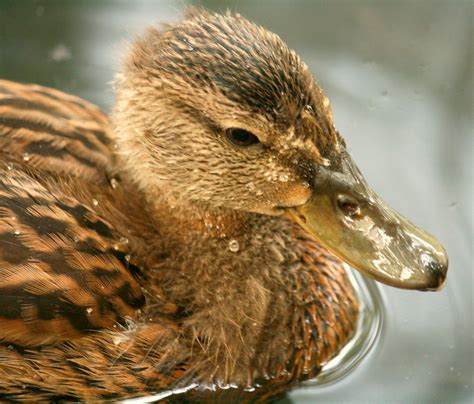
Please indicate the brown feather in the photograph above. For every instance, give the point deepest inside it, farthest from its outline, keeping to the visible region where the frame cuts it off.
(163, 262)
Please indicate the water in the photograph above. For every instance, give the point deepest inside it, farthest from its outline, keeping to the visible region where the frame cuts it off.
(369, 330)
(399, 77)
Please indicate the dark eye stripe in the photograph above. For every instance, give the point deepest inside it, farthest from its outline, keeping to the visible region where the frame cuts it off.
(241, 137)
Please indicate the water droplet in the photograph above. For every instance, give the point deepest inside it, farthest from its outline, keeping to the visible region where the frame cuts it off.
(89, 310)
(306, 184)
(250, 186)
(60, 53)
(128, 257)
(234, 245)
(9, 166)
(17, 232)
(299, 344)
(226, 386)
(95, 202)
(39, 11)
(123, 240)
(76, 239)
(26, 156)
(118, 339)
(113, 183)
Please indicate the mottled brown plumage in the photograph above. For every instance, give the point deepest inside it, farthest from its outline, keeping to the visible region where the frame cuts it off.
(152, 254)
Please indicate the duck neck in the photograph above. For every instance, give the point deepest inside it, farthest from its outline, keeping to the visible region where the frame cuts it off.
(245, 284)
(181, 221)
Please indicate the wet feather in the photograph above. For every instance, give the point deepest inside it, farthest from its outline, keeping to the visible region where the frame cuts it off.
(117, 276)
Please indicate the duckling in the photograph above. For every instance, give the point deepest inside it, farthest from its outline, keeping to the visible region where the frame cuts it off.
(194, 243)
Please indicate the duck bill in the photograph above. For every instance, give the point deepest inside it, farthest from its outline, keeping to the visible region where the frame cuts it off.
(351, 221)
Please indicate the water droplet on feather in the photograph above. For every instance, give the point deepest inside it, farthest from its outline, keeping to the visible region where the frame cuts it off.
(234, 245)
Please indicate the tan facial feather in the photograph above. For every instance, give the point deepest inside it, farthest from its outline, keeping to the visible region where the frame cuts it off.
(183, 87)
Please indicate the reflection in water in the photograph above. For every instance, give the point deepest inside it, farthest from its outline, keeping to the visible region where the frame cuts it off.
(399, 76)
(368, 331)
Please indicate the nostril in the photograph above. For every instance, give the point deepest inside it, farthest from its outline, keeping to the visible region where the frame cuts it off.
(348, 205)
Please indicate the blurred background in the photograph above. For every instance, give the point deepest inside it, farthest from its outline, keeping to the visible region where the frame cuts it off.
(399, 74)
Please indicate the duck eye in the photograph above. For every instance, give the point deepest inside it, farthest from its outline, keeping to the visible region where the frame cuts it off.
(241, 137)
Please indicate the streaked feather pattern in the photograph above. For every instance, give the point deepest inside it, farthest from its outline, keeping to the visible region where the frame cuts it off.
(53, 131)
(100, 300)
(62, 274)
(64, 271)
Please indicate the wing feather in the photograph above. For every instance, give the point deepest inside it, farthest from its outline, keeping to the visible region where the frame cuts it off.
(61, 273)
(54, 131)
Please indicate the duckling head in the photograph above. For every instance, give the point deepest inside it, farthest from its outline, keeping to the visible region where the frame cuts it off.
(216, 112)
